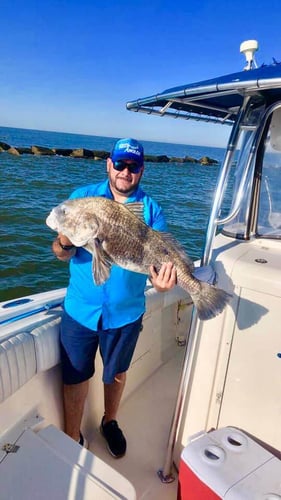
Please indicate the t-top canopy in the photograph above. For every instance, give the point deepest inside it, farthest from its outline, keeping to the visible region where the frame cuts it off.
(218, 99)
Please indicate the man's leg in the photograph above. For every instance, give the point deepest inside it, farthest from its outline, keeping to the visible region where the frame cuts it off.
(116, 442)
(112, 397)
(78, 346)
(117, 348)
(74, 397)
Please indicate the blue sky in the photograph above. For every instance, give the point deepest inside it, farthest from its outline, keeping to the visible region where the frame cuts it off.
(72, 65)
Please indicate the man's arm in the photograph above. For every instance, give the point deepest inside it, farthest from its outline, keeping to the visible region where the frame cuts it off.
(63, 248)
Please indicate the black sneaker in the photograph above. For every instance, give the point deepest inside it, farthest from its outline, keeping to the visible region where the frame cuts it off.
(116, 442)
(83, 441)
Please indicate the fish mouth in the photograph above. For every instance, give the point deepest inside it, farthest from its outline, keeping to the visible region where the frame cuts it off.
(51, 221)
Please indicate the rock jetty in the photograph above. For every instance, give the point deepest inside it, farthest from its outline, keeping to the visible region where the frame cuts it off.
(96, 154)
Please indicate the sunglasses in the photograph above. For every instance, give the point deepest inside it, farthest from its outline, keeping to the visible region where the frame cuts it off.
(120, 165)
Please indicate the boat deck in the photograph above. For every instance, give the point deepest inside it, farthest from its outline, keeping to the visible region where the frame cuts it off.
(147, 432)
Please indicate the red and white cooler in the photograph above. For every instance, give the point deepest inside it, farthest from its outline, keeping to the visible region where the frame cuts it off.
(228, 464)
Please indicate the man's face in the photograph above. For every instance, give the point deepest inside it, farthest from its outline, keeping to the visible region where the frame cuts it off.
(123, 181)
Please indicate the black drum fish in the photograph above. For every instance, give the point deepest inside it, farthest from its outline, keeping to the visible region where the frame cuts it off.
(115, 234)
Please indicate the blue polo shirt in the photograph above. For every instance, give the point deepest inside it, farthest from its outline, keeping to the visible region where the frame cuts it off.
(120, 300)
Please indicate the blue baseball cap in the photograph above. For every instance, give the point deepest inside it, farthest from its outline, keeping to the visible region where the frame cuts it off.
(128, 149)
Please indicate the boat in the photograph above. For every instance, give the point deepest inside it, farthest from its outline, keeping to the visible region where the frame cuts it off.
(202, 404)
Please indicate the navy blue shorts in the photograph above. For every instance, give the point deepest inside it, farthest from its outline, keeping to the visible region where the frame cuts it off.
(79, 346)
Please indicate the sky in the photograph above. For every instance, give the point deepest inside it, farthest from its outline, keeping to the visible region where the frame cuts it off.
(71, 65)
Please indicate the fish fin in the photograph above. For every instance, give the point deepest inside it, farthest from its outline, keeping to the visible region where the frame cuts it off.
(210, 301)
(101, 264)
(136, 208)
(179, 248)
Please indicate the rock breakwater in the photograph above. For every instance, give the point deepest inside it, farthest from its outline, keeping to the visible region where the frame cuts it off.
(96, 154)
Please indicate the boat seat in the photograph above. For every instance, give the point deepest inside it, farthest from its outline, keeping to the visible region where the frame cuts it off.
(46, 343)
(17, 362)
(27, 353)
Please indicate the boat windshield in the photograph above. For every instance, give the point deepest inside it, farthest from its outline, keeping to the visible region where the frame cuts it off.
(260, 211)
(269, 209)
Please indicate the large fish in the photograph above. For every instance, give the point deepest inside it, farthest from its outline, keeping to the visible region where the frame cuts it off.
(115, 234)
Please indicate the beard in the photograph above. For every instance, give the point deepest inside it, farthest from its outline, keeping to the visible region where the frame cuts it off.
(124, 185)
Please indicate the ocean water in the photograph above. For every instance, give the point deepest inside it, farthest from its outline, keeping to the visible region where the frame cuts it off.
(32, 185)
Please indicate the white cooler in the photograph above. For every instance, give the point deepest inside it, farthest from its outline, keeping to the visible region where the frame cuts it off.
(228, 464)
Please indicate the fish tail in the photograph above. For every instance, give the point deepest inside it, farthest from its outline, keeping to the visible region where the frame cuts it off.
(210, 301)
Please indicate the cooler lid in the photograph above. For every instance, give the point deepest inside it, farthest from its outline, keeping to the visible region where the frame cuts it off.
(223, 457)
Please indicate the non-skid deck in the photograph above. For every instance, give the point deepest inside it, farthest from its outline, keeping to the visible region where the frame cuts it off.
(145, 417)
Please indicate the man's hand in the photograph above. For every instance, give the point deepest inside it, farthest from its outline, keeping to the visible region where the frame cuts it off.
(64, 239)
(165, 279)
(60, 253)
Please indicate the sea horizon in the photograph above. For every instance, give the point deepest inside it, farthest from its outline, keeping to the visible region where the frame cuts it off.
(106, 136)
(14, 132)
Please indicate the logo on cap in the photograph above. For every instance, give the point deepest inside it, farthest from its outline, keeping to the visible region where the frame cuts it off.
(128, 149)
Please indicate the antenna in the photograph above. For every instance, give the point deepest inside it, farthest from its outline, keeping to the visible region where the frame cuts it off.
(248, 48)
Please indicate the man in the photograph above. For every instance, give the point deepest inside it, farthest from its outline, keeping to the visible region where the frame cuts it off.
(108, 316)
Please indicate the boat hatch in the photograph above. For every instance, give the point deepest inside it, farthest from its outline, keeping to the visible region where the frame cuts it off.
(48, 464)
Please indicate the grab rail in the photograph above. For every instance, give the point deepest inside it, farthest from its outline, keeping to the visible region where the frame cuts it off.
(221, 184)
(45, 307)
